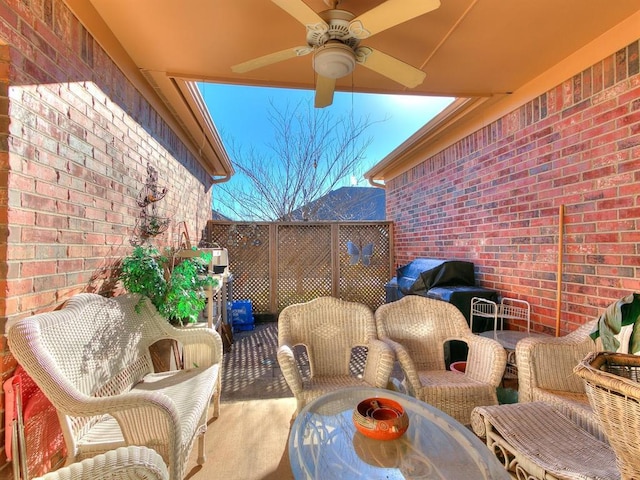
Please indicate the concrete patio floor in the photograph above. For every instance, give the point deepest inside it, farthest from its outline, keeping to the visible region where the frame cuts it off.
(249, 441)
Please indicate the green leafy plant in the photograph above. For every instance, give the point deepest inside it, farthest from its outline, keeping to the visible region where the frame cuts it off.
(177, 291)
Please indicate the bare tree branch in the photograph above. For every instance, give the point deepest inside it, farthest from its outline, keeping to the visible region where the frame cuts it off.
(311, 153)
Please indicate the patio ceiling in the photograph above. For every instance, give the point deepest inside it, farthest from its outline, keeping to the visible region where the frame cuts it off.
(467, 48)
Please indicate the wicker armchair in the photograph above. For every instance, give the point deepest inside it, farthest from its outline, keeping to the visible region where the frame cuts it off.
(330, 329)
(545, 373)
(417, 329)
(124, 463)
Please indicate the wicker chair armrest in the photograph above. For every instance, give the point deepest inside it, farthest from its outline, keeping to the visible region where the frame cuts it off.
(379, 364)
(140, 422)
(140, 415)
(548, 363)
(289, 367)
(80, 405)
(202, 347)
(478, 422)
(123, 463)
(486, 361)
(407, 364)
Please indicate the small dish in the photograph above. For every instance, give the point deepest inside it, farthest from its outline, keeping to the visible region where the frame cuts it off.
(380, 418)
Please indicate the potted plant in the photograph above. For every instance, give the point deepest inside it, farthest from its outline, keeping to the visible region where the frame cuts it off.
(177, 291)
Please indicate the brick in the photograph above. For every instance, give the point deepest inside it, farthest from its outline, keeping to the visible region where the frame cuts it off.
(69, 265)
(46, 251)
(78, 251)
(22, 183)
(38, 235)
(18, 287)
(37, 301)
(50, 282)
(71, 238)
(37, 202)
(31, 269)
(50, 220)
(94, 213)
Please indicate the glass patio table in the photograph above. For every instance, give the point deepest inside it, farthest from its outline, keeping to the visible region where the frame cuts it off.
(324, 443)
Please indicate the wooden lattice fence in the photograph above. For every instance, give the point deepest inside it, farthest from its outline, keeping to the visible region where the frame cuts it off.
(279, 264)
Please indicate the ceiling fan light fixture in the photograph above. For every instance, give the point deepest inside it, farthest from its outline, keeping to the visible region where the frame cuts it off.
(334, 60)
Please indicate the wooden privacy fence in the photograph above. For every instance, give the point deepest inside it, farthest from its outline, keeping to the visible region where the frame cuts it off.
(278, 264)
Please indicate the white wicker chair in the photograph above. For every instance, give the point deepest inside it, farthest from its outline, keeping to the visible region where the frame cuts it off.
(417, 329)
(545, 373)
(330, 329)
(92, 360)
(124, 463)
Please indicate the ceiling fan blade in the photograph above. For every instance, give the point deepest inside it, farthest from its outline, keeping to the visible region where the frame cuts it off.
(390, 67)
(389, 14)
(270, 59)
(324, 91)
(300, 11)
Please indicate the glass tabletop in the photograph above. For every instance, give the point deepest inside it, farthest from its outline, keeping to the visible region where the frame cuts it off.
(325, 444)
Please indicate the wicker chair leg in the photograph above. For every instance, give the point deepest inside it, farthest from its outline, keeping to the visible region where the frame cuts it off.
(216, 404)
(201, 452)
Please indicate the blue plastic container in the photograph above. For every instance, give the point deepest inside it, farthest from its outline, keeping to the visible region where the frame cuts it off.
(242, 316)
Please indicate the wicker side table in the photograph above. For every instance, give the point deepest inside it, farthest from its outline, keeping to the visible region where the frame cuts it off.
(533, 440)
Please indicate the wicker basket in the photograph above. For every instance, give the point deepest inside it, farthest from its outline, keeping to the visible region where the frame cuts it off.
(614, 393)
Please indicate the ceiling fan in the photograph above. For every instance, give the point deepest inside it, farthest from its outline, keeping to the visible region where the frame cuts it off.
(334, 38)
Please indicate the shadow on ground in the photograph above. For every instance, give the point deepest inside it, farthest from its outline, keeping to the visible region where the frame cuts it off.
(250, 369)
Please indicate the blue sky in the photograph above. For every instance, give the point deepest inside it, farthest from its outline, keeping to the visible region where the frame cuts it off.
(240, 113)
(241, 116)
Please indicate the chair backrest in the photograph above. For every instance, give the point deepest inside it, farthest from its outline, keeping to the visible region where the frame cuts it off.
(423, 326)
(94, 346)
(329, 328)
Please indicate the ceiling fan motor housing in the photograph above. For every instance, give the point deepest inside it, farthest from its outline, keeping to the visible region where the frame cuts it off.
(334, 60)
(334, 56)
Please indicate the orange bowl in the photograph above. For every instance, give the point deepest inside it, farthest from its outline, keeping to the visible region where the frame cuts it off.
(380, 418)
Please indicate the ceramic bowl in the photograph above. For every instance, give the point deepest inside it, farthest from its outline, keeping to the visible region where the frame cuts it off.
(380, 418)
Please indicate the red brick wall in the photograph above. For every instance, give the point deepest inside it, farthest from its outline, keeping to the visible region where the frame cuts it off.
(75, 141)
(493, 197)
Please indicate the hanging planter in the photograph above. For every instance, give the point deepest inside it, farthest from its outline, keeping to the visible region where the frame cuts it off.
(149, 224)
(152, 225)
